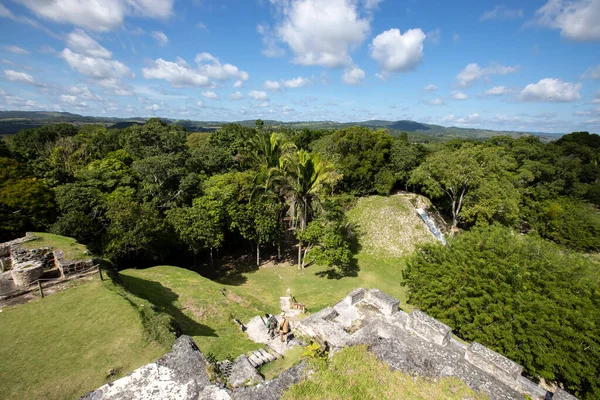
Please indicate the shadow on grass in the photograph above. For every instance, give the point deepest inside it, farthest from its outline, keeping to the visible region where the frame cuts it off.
(165, 299)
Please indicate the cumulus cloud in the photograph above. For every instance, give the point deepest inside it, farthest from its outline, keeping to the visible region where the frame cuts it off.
(576, 19)
(180, 73)
(353, 76)
(272, 86)
(98, 15)
(258, 95)
(456, 95)
(235, 96)
(82, 43)
(472, 72)
(16, 76)
(14, 50)
(553, 90)
(435, 102)
(497, 91)
(294, 83)
(396, 52)
(160, 38)
(238, 84)
(430, 88)
(210, 95)
(434, 36)
(269, 39)
(96, 68)
(472, 119)
(501, 12)
(592, 73)
(321, 32)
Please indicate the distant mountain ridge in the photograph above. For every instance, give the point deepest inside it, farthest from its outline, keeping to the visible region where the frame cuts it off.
(12, 122)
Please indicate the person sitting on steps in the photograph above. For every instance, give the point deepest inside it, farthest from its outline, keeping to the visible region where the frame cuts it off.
(284, 328)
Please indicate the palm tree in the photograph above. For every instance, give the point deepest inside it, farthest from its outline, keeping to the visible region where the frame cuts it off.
(308, 178)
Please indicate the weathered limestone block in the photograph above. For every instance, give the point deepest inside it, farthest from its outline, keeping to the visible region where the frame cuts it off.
(328, 314)
(320, 326)
(386, 304)
(70, 267)
(429, 328)
(5, 247)
(493, 363)
(24, 274)
(243, 373)
(562, 395)
(179, 375)
(355, 296)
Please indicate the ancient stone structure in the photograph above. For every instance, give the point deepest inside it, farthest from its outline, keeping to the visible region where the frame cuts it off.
(70, 267)
(5, 247)
(181, 375)
(24, 274)
(418, 344)
(20, 255)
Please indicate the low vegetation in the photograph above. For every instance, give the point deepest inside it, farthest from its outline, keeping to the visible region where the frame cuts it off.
(72, 249)
(354, 373)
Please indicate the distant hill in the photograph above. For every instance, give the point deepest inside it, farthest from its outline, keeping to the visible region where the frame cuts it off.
(12, 122)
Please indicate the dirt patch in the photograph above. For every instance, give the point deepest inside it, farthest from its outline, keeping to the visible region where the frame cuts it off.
(199, 312)
(238, 299)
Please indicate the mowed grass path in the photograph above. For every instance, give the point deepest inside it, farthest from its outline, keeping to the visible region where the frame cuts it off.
(63, 346)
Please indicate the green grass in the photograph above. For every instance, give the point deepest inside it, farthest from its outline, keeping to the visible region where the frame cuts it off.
(354, 373)
(72, 249)
(63, 346)
(273, 369)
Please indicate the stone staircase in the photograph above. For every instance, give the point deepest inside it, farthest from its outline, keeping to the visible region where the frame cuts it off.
(261, 357)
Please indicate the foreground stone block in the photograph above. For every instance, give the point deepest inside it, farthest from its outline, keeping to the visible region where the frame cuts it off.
(493, 363)
(24, 274)
(386, 304)
(243, 373)
(356, 296)
(429, 328)
(562, 395)
(179, 375)
(70, 267)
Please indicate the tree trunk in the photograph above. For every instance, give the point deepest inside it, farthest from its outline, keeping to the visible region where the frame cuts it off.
(279, 251)
(257, 254)
(299, 255)
(212, 263)
(304, 256)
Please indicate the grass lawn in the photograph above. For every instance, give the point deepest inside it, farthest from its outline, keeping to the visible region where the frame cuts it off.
(63, 346)
(354, 373)
(273, 369)
(72, 249)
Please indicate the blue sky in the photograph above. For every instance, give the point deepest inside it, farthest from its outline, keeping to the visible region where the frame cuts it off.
(507, 65)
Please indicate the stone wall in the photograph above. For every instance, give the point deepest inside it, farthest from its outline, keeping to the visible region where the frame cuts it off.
(429, 340)
(70, 267)
(5, 247)
(20, 255)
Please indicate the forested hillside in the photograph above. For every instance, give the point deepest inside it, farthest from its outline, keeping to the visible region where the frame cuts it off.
(155, 193)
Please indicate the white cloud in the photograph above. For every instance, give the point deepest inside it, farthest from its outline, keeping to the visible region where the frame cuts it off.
(430, 88)
(269, 39)
(238, 84)
(497, 91)
(592, 73)
(153, 108)
(200, 104)
(372, 3)
(96, 68)
(554, 90)
(98, 15)
(472, 119)
(597, 99)
(180, 73)
(456, 95)
(297, 82)
(258, 95)
(65, 98)
(81, 43)
(473, 72)
(272, 86)
(435, 102)
(160, 38)
(16, 76)
(576, 19)
(322, 32)
(396, 52)
(434, 36)
(353, 76)
(501, 12)
(14, 50)
(201, 26)
(83, 92)
(210, 95)
(235, 96)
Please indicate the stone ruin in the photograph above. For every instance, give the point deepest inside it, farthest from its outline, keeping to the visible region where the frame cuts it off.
(28, 265)
(414, 343)
(419, 345)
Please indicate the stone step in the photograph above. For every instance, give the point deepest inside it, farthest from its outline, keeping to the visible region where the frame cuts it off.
(252, 362)
(255, 361)
(260, 356)
(267, 355)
